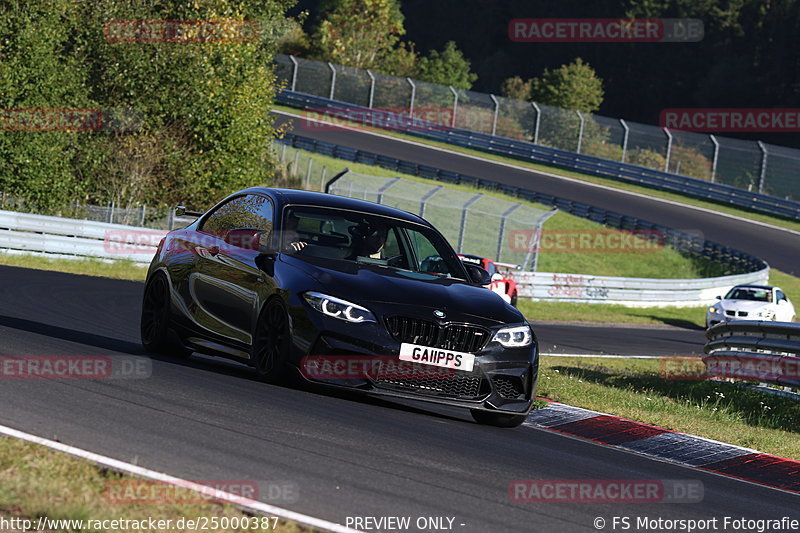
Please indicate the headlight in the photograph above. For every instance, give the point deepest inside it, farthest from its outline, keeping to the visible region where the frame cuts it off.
(713, 309)
(337, 308)
(514, 337)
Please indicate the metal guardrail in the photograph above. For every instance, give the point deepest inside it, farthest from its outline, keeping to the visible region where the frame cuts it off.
(631, 292)
(64, 237)
(77, 238)
(527, 151)
(767, 352)
(739, 262)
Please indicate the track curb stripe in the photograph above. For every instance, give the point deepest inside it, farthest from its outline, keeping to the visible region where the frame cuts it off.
(660, 443)
(246, 504)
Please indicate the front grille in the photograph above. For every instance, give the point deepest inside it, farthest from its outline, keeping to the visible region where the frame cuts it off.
(462, 386)
(509, 387)
(730, 313)
(458, 337)
(742, 313)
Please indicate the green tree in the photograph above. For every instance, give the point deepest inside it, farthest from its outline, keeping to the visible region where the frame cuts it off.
(575, 86)
(360, 33)
(516, 88)
(448, 67)
(202, 107)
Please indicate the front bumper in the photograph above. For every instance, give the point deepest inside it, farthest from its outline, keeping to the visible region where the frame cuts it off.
(502, 379)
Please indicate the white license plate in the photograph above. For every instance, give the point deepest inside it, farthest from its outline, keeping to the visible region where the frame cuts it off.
(426, 355)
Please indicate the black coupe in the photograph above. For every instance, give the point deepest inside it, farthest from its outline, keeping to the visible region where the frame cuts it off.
(342, 292)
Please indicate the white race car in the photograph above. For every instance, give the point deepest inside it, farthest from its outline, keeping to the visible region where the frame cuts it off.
(751, 302)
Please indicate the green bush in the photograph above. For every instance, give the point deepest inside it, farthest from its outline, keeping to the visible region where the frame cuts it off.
(202, 107)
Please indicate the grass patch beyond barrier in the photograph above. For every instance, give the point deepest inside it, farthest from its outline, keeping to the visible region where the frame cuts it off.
(36, 481)
(635, 389)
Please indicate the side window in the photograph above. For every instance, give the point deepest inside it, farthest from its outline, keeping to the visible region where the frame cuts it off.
(427, 255)
(490, 268)
(780, 296)
(243, 212)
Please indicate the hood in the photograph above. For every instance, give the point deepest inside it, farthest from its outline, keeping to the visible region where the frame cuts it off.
(743, 305)
(393, 291)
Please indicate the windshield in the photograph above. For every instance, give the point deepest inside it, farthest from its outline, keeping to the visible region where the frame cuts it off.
(338, 234)
(749, 293)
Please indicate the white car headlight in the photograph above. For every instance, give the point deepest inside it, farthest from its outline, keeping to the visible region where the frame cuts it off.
(714, 310)
(514, 337)
(338, 308)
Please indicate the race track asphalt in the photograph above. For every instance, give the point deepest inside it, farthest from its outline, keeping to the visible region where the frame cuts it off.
(207, 419)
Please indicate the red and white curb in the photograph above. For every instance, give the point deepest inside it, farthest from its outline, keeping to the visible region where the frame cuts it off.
(672, 446)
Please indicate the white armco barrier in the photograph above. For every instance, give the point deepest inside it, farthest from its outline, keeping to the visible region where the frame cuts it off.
(631, 292)
(77, 238)
(82, 238)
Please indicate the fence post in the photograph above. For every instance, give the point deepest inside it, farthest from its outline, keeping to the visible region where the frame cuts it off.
(308, 172)
(333, 79)
(423, 202)
(763, 172)
(669, 149)
(371, 87)
(533, 249)
(580, 132)
(294, 72)
(464, 211)
(496, 111)
(413, 96)
(503, 229)
(296, 162)
(142, 221)
(384, 189)
(455, 106)
(624, 139)
(111, 212)
(715, 159)
(538, 122)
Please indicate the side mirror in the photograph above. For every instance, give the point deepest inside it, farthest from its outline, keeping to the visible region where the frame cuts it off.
(719, 297)
(497, 277)
(248, 239)
(477, 275)
(180, 211)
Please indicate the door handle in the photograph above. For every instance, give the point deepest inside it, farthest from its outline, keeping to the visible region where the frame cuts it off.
(214, 250)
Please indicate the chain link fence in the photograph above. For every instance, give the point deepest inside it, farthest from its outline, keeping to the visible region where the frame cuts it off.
(140, 216)
(749, 165)
(473, 222)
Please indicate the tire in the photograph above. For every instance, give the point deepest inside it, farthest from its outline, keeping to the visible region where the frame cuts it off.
(154, 324)
(271, 343)
(501, 420)
(514, 299)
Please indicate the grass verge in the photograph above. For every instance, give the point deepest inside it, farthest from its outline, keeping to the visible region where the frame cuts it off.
(634, 388)
(36, 481)
(578, 312)
(87, 267)
(675, 197)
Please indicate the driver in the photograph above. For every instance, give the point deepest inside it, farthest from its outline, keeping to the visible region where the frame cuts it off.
(292, 240)
(375, 241)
